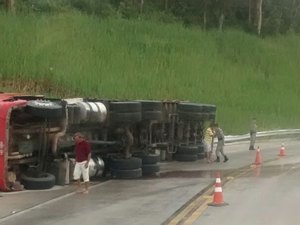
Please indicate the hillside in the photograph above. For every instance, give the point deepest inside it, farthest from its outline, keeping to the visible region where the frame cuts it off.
(73, 54)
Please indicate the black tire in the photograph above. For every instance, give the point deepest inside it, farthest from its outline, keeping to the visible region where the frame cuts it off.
(45, 109)
(192, 116)
(132, 117)
(189, 150)
(126, 174)
(212, 116)
(186, 157)
(125, 107)
(201, 155)
(149, 169)
(151, 105)
(200, 148)
(190, 107)
(152, 115)
(43, 181)
(209, 108)
(126, 164)
(150, 159)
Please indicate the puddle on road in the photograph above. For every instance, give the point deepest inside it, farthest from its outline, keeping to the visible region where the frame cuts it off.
(194, 174)
(248, 171)
(271, 171)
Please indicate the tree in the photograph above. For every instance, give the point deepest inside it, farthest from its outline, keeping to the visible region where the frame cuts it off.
(10, 5)
(141, 6)
(258, 16)
(294, 15)
(166, 5)
(223, 6)
(205, 6)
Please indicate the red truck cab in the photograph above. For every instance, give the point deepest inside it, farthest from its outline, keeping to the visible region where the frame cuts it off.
(7, 104)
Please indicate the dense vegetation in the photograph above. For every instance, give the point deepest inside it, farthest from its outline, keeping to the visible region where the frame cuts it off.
(70, 54)
(255, 16)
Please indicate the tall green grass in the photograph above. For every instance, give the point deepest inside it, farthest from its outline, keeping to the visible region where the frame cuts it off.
(245, 76)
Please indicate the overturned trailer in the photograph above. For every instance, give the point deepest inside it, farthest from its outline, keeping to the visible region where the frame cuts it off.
(130, 137)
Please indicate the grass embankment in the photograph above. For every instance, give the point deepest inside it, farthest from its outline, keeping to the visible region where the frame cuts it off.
(72, 54)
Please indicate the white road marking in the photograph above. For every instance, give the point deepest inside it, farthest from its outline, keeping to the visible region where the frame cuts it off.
(16, 213)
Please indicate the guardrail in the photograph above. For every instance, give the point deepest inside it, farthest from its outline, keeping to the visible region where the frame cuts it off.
(262, 135)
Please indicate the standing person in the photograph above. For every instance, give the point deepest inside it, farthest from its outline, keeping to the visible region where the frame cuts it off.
(208, 142)
(220, 146)
(83, 156)
(253, 130)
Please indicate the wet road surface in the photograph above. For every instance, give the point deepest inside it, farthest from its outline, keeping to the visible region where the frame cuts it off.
(266, 195)
(116, 202)
(252, 193)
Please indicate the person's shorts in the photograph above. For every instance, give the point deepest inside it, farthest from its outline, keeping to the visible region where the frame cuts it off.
(207, 147)
(220, 146)
(80, 170)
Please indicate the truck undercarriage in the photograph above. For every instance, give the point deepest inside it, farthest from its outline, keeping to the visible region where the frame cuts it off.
(128, 138)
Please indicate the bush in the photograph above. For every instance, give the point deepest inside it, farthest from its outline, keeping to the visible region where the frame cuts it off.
(162, 17)
(92, 7)
(83, 5)
(128, 10)
(42, 6)
(95, 7)
(104, 9)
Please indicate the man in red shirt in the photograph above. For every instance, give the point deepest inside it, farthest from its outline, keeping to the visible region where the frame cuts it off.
(83, 156)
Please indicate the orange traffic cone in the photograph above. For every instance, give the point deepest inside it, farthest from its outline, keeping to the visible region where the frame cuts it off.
(282, 150)
(218, 196)
(258, 157)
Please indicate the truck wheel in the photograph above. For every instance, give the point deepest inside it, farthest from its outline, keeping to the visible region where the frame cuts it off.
(152, 115)
(42, 181)
(126, 174)
(209, 108)
(189, 150)
(124, 107)
(192, 116)
(201, 155)
(212, 116)
(190, 107)
(150, 159)
(200, 148)
(150, 169)
(131, 117)
(148, 105)
(126, 164)
(45, 109)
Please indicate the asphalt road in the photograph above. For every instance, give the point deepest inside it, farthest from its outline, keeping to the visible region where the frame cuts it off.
(256, 195)
(268, 196)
